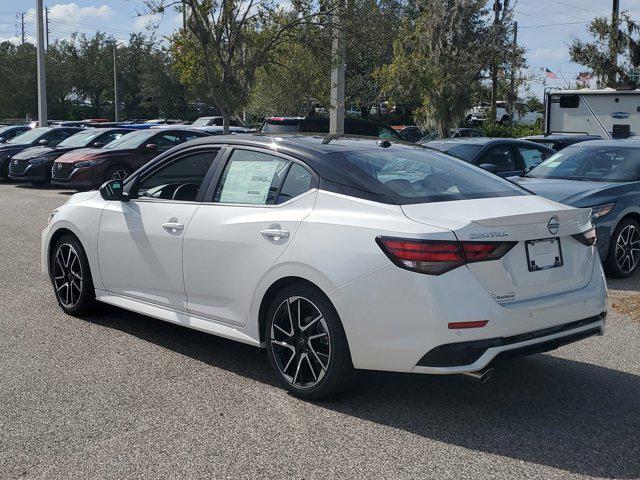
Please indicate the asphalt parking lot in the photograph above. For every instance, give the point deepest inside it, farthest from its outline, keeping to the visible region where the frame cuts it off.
(120, 395)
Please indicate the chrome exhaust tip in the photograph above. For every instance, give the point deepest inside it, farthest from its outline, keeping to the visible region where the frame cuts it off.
(482, 376)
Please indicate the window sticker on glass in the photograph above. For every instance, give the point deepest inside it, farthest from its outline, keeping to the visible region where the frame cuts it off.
(553, 160)
(248, 182)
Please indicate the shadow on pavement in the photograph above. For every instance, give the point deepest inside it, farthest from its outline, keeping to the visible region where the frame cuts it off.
(560, 413)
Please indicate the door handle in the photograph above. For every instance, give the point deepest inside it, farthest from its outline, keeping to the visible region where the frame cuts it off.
(275, 234)
(173, 227)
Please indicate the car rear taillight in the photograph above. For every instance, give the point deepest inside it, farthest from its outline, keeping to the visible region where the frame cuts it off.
(587, 238)
(435, 257)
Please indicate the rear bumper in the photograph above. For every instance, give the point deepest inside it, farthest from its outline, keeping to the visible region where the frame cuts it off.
(478, 354)
(393, 318)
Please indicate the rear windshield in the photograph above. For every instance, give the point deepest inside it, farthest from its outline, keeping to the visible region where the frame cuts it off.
(419, 175)
(281, 126)
(463, 151)
(596, 163)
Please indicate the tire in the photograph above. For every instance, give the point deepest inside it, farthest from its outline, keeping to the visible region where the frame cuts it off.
(117, 172)
(69, 261)
(312, 362)
(623, 257)
(504, 120)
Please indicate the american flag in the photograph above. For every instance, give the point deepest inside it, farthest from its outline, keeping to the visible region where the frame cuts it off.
(549, 74)
(584, 78)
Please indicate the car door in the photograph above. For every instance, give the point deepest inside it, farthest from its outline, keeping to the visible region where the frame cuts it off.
(232, 241)
(504, 158)
(140, 241)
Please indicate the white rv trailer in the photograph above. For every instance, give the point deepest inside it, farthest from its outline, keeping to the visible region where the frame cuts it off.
(608, 112)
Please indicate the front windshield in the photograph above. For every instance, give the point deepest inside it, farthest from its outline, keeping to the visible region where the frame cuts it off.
(593, 163)
(6, 129)
(30, 136)
(131, 140)
(420, 175)
(81, 139)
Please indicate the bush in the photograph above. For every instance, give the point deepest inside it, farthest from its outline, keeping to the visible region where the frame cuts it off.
(493, 129)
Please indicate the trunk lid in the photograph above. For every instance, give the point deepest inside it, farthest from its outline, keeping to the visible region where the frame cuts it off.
(518, 219)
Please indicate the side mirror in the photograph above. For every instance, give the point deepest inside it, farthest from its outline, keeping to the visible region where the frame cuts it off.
(112, 190)
(98, 144)
(527, 170)
(151, 148)
(489, 167)
(3, 140)
(44, 142)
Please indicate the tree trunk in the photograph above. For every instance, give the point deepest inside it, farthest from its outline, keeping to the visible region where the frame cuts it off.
(225, 121)
(444, 128)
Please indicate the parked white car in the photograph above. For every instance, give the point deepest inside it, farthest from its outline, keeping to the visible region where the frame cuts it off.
(523, 114)
(333, 254)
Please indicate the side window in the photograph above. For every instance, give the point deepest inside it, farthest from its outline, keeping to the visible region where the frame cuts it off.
(166, 141)
(56, 136)
(501, 156)
(179, 180)
(297, 182)
(251, 178)
(532, 156)
(569, 101)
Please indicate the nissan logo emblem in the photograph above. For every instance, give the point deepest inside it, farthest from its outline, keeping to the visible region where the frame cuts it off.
(554, 225)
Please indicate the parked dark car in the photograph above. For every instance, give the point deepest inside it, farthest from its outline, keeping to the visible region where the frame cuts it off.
(412, 133)
(7, 132)
(88, 168)
(44, 136)
(605, 176)
(321, 125)
(34, 164)
(503, 156)
(558, 141)
(462, 132)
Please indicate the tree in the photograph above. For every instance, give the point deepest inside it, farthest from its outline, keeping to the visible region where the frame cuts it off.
(90, 61)
(371, 28)
(18, 80)
(439, 54)
(227, 41)
(295, 81)
(596, 55)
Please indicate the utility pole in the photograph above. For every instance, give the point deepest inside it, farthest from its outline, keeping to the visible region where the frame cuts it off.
(497, 7)
(115, 85)
(336, 112)
(46, 23)
(514, 59)
(615, 18)
(22, 26)
(184, 15)
(42, 76)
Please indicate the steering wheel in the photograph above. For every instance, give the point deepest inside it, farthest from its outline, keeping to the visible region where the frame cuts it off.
(186, 191)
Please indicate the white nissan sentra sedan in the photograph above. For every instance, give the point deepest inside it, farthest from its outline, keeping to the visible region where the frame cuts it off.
(334, 254)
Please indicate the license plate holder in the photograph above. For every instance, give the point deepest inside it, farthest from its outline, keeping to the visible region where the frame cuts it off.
(543, 254)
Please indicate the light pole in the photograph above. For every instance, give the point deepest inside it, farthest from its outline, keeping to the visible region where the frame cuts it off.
(42, 76)
(336, 111)
(115, 85)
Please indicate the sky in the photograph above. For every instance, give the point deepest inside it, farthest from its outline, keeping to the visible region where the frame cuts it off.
(546, 27)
